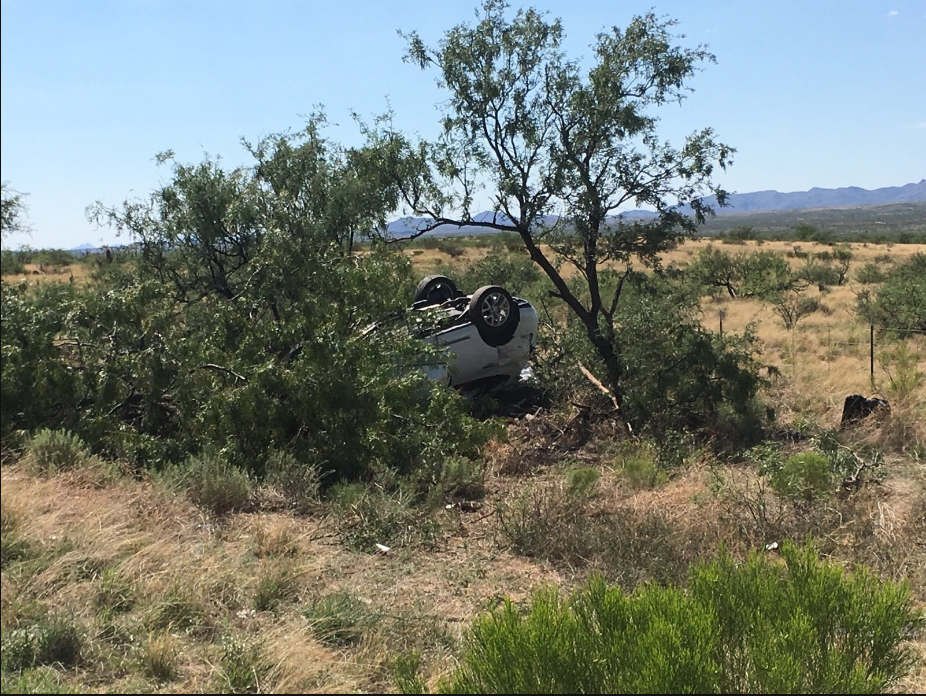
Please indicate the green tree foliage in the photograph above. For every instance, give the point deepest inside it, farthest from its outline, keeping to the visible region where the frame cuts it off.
(678, 375)
(757, 274)
(553, 139)
(901, 302)
(820, 274)
(759, 627)
(12, 211)
(237, 331)
(870, 273)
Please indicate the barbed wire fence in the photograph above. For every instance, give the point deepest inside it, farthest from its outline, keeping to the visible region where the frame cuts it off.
(875, 332)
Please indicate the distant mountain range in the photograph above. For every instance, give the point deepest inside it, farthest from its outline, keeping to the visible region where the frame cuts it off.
(848, 197)
(815, 198)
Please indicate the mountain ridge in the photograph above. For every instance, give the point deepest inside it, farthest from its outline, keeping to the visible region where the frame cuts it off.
(756, 201)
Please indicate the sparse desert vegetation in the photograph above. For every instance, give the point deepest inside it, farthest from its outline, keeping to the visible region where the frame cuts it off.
(215, 478)
(126, 580)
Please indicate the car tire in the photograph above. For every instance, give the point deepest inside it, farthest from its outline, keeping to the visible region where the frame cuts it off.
(494, 313)
(436, 289)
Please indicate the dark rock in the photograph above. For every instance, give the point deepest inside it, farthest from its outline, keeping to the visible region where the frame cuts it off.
(857, 408)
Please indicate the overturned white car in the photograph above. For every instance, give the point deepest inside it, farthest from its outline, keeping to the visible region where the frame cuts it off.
(487, 337)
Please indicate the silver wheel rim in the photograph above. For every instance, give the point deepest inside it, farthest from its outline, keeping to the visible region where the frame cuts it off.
(495, 309)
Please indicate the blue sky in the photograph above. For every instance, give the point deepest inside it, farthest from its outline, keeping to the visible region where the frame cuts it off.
(825, 93)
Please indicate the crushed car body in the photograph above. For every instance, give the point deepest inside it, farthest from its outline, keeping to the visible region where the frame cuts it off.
(484, 339)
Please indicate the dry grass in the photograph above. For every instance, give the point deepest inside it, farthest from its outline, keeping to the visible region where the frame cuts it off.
(194, 583)
(159, 588)
(42, 273)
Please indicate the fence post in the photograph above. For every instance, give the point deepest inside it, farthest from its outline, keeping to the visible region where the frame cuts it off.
(871, 352)
(721, 313)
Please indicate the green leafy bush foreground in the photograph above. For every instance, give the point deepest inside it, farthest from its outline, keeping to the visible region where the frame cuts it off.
(761, 626)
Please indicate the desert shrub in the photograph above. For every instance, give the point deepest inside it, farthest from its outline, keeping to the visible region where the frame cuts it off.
(809, 233)
(239, 328)
(765, 273)
(757, 627)
(806, 475)
(452, 248)
(513, 271)
(454, 478)
(299, 483)
(340, 619)
(904, 379)
(818, 273)
(791, 307)
(211, 483)
(53, 451)
(820, 471)
(581, 482)
(870, 273)
(641, 472)
(11, 263)
(900, 303)
(756, 274)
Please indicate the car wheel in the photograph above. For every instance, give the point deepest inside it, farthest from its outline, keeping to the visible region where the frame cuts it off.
(436, 289)
(494, 314)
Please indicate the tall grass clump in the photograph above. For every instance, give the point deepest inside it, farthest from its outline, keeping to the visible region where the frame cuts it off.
(211, 483)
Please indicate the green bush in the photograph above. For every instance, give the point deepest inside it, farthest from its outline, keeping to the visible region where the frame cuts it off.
(807, 475)
(53, 451)
(212, 483)
(870, 273)
(453, 478)
(900, 304)
(791, 307)
(37, 388)
(757, 627)
(582, 482)
(50, 641)
(818, 273)
(641, 472)
(11, 263)
(513, 271)
(238, 328)
(820, 471)
(756, 274)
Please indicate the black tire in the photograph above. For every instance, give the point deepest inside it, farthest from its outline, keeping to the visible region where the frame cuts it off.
(494, 314)
(436, 289)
